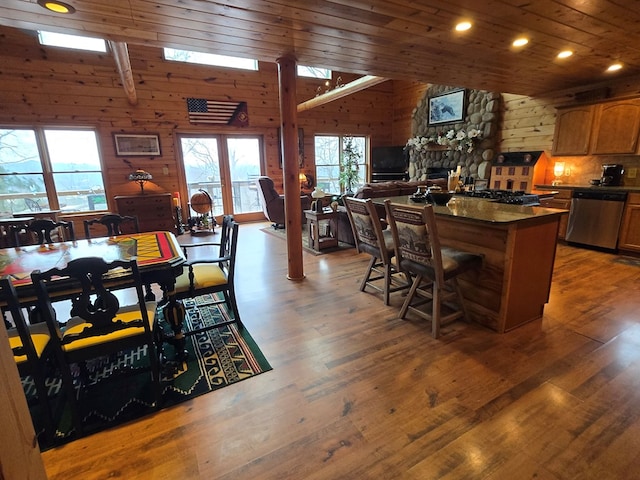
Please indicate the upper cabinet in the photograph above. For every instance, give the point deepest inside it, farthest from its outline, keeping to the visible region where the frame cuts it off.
(616, 127)
(573, 130)
(607, 128)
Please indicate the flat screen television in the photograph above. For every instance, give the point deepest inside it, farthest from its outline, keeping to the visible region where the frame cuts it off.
(388, 160)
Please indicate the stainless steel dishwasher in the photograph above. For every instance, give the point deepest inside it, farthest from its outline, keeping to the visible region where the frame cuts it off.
(595, 217)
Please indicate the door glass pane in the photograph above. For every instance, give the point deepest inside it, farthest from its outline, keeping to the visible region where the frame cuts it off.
(244, 166)
(202, 168)
(22, 187)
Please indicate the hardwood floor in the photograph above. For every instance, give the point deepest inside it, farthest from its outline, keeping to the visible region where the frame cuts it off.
(356, 393)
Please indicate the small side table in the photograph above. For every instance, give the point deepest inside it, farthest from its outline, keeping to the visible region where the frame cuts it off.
(323, 229)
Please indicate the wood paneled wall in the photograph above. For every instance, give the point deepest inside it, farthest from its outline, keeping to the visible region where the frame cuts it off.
(50, 86)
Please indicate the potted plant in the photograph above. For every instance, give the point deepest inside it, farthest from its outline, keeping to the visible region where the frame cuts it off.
(350, 165)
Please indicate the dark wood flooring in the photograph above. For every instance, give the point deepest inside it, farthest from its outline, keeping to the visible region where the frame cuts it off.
(356, 393)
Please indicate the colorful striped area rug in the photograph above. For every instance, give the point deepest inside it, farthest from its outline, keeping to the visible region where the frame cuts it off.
(217, 358)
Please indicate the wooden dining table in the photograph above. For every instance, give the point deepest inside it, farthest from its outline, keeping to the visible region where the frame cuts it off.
(158, 254)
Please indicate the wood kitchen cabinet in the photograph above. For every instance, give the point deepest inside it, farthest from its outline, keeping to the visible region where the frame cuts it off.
(616, 127)
(561, 200)
(154, 212)
(573, 130)
(630, 231)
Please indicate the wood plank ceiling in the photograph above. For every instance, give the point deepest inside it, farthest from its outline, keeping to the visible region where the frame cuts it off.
(396, 39)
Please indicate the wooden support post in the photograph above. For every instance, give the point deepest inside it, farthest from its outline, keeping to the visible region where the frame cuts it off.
(290, 166)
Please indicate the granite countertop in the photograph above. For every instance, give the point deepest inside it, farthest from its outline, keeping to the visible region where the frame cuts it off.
(621, 188)
(482, 210)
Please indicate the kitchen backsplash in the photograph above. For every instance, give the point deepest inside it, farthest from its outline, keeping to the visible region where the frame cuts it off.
(580, 170)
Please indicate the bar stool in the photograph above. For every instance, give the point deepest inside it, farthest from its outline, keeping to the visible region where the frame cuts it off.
(419, 253)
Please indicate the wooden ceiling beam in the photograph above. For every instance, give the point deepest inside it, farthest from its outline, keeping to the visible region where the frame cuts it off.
(361, 83)
(123, 64)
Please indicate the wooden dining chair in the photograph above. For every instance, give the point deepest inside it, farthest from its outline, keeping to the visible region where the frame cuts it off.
(43, 228)
(434, 268)
(32, 352)
(97, 325)
(212, 270)
(113, 223)
(378, 243)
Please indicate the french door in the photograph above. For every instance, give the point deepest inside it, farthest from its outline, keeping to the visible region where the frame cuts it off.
(224, 166)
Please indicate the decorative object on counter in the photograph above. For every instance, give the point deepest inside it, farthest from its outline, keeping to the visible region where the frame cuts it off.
(421, 194)
(453, 180)
(334, 206)
(439, 197)
(317, 193)
(140, 177)
(519, 170)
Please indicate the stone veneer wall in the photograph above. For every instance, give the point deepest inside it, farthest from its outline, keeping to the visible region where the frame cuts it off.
(483, 114)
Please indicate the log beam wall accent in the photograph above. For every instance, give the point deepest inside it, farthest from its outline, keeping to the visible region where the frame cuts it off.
(352, 87)
(121, 57)
(290, 166)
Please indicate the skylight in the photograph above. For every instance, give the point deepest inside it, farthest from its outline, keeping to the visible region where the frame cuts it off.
(313, 72)
(72, 41)
(209, 59)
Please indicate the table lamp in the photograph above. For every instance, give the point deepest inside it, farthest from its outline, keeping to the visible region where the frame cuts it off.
(140, 177)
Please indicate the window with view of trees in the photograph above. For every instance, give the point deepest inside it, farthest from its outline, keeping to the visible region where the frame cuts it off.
(42, 169)
(341, 162)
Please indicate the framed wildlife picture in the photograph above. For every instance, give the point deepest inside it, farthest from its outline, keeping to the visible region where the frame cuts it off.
(447, 108)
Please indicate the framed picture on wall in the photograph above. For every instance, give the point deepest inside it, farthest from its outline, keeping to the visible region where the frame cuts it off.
(300, 147)
(133, 144)
(447, 108)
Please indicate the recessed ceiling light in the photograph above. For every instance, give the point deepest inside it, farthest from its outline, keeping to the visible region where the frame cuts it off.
(463, 26)
(565, 54)
(56, 6)
(614, 67)
(520, 42)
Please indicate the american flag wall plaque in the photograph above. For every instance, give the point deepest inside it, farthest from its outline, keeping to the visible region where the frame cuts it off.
(217, 112)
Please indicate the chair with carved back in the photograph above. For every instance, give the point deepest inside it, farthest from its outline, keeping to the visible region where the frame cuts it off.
(212, 271)
(113, 223)
(378, 243)
(32, 352)
(43, 229)
(97, 325)
(434, 268)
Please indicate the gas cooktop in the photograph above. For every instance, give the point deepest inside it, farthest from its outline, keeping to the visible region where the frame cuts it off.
(514, 197)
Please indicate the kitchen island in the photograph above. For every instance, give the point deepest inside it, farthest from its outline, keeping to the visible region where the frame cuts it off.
(518, 244)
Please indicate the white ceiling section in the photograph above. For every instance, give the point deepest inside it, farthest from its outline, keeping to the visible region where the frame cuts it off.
(395, 39)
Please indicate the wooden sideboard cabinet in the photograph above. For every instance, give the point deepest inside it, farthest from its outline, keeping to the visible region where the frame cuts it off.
(573, 130)
(561, 200)
(630, 232)
(154, 211)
